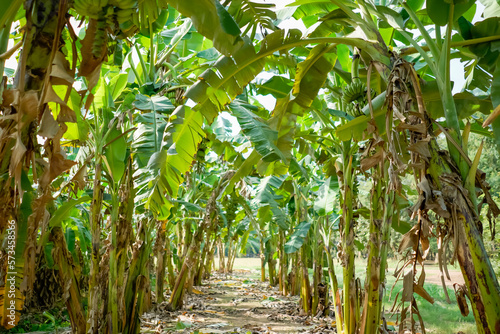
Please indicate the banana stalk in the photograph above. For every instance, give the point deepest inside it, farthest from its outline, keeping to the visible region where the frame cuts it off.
(123, 235)
(193, 252)
(220, 252)
(348, 242)
(317, 268)
(371, 306)
(305, 290)
(297, 272)
(63, 258)
(210, 258)
(136, 297)
(334, 287)
(262, 261)
(390, 200)
(161, 258)
(170, 266)
(282, 264)
(113, 272)
(95, 229)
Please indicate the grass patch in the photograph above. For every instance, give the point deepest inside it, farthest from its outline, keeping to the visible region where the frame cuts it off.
(439, 318)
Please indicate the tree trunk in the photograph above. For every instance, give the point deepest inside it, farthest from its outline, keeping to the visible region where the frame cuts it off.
(222, 261)
(136, 289)
(334, 285)
(170, 267)
(305, 290)
(373, 295)
(193, 253)
(62, 257)
(161, 258)
(262, 262)
(210, 259)
(282, 264)
(348, 243)
(297, 275)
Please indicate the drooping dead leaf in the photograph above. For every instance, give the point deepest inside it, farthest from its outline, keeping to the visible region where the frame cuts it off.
(61, 71)
(420, 127)
(422, 293)
(421, 147)
(492, 116)
(79, 177)
(18, 152)
(372, 161)
(28, 108)
(48, 126)
(410, 239)
(90, 65)
(66, 114)
(460, 293)
(407, 295)
(59, 164)
(9, 97)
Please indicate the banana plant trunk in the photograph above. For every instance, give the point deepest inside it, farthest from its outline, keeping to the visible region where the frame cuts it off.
(137, 286)
(205, 254)
(456, 178)
(480, 278)
(283, 269)
(61, 255)
(192, 255)
(170, 266)
(373, 295)
(334, 287)
(95, 300)
(262, 261)
(161, 258)
(349, 290)
(220, 251)
(305, 290)
(210, 259)
(297, 274)
(123, 235)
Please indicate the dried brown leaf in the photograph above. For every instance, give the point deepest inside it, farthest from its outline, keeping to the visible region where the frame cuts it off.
(422, 293)
(61, 70)
(372, 161)
(419, 128)
(48, 125)
(492, 116)
(89, 63)
(410, 239)
(461, 300)
(407, 295)
(421, 147)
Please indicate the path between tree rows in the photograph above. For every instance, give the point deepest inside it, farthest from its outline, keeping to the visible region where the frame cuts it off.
(237, 304)
(240, 303)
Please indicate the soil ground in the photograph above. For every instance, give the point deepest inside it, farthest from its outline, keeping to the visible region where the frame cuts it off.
(240, 303)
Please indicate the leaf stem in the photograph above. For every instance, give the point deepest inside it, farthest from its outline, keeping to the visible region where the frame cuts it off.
(430, 42)
(467, 42)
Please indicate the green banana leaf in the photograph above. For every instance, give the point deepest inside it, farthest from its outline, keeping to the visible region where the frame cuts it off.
(212, 20)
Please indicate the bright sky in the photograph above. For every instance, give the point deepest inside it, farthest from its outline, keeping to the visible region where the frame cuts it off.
(457, 73)
(457, 67)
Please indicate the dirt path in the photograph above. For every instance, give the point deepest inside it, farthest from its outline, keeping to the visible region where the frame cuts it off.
(238, 304)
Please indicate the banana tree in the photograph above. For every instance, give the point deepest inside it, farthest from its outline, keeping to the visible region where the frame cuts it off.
(437, 61)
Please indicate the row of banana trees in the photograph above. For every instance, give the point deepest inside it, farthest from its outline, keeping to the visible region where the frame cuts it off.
(125, 175)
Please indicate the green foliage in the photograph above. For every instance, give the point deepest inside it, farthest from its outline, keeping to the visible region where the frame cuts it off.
(176, 117)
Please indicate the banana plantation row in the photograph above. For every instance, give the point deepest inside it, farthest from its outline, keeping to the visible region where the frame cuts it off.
(134, 147)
